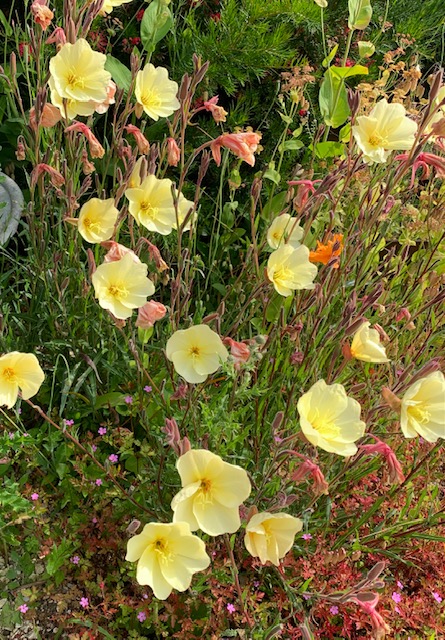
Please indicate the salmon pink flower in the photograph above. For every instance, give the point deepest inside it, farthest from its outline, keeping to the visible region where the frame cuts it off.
(173, 153)
(41, 13)
(239, 352)
(96, 149)
(309, 468)
(57, 37)
(395, 468)
(117, 251)
(141, 141)
(212, 492)
(243, 145)
(424, 161)
(150, 313)
(102, 107)
(305, 188)
(219, 114)
(57, 180)
(49, 117)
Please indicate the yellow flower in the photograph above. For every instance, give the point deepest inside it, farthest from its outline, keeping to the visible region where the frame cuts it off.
(366, 345)
(97, 219)
(270, 536)
(196, 352)
(155, 93)
(284, 229)
(167, 555)
(122, 286)
(423, 408)
(78, 74)
(386, 129)
(321, 3)
(135, 181)
(68, 107)
(330, 419)
(289, 269)
(19, 371)
(109, 5)
(151, 204)
(212, 493)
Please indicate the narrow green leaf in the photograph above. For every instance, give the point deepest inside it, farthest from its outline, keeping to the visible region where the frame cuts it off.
(327, 61)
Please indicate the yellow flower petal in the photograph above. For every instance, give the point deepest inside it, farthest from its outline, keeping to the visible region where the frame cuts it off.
(19, 371)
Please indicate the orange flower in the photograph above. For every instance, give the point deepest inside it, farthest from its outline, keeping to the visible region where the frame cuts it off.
(325, 252)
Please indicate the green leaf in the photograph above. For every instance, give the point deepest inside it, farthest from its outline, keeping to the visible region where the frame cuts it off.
(156, 23)
(333, 100)
(348, 72)
(57, 557)
(291, 145)
(327, 61)
(113, 399)
(13, 203)
(360, 13)
(365, 49)
(5, 22)
(329, 149)
(119, 72)
(273, 175)
(345, 133)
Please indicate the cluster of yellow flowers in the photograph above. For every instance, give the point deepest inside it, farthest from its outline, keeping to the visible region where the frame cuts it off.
(212, 491)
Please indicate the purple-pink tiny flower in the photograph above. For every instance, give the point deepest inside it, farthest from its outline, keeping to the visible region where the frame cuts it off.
(306, 536)
(94, 520)
(69, 423)
(94, 448)
(75, 559)
(399, 584)
(98, 483)
(23, 608)
(396, 597)
(11, 435)
(128, 399)
(84, 603)
(102, 431)
(147, 388)
(334, 609)
(231, 608)
(437, 597)
(113, 458)
(34, 496)
(142, 616)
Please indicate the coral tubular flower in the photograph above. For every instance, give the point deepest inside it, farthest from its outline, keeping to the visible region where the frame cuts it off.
(424, 161)
(78, 73)
(151, 204)
(19, 371)
(239, 352)
(122, 286)
(167, 555)
(289, 269)
(41, 13)
(97, 219)
(423, 408)
(366, 345)
(330, 419)
(212, 492)
(141, 141)
(49, 117)
(284, 230)
(243, 145)
(57, 180)
(196, 352)
(117, 251)
(270, 536)
(155, 93)
(386, 129)
(96, 149)
(102, 107)
(219, 114)
(326, 252)
(150, 313)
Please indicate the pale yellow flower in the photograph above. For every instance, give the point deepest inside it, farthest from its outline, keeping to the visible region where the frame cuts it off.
(284, 230)
(97, 219)
(167, 555)
(440, 113)
(423, 408)
(155, 93)
(386, 129)
(270, 536)
(196, 352)
(321, 3)
(78, 73)
(135, 181)
(289, 269)
(212, 492)
(330, 419)
(151, 204)
(366, 345)
(68, 107)
(109, 5)
(19, 371)
(122, 286)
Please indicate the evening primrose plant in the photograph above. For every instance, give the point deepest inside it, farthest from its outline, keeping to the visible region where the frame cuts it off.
(221, 349)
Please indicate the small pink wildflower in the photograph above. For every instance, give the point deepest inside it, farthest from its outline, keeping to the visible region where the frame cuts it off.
(113, 458)
(98, 483)
(306, 536)
(142, 616)
(231, 608)
(399, 584)
(147, 388)
(128, 399)
(84, 603)
(75, 559)
(94, 520)
(334, 609)
(23, 608)
(34, 496)
(102, 431)
(437, 597)
(396, 597)
(94, 447)
(69, 423)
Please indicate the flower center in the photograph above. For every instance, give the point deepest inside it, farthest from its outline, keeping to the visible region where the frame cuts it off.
(148, 210)
(194, 352)
(283, 275)
(325, 427)
(117, 291)
(162, 550)
(94, 227)
(150, 99)
(377, 140)
(205, 492)
(420, 415)
(9, 374)
(75, 81)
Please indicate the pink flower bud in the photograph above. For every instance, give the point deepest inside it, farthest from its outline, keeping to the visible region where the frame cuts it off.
(141, 141)
(239, 351)
(49, 117)
(218, 113)
(57, 37)
(96, 149)
(243, 145)
(57, 180)
(173, 152)
(311, 469)
(403, 314)
(150, 313)
(117, 251)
